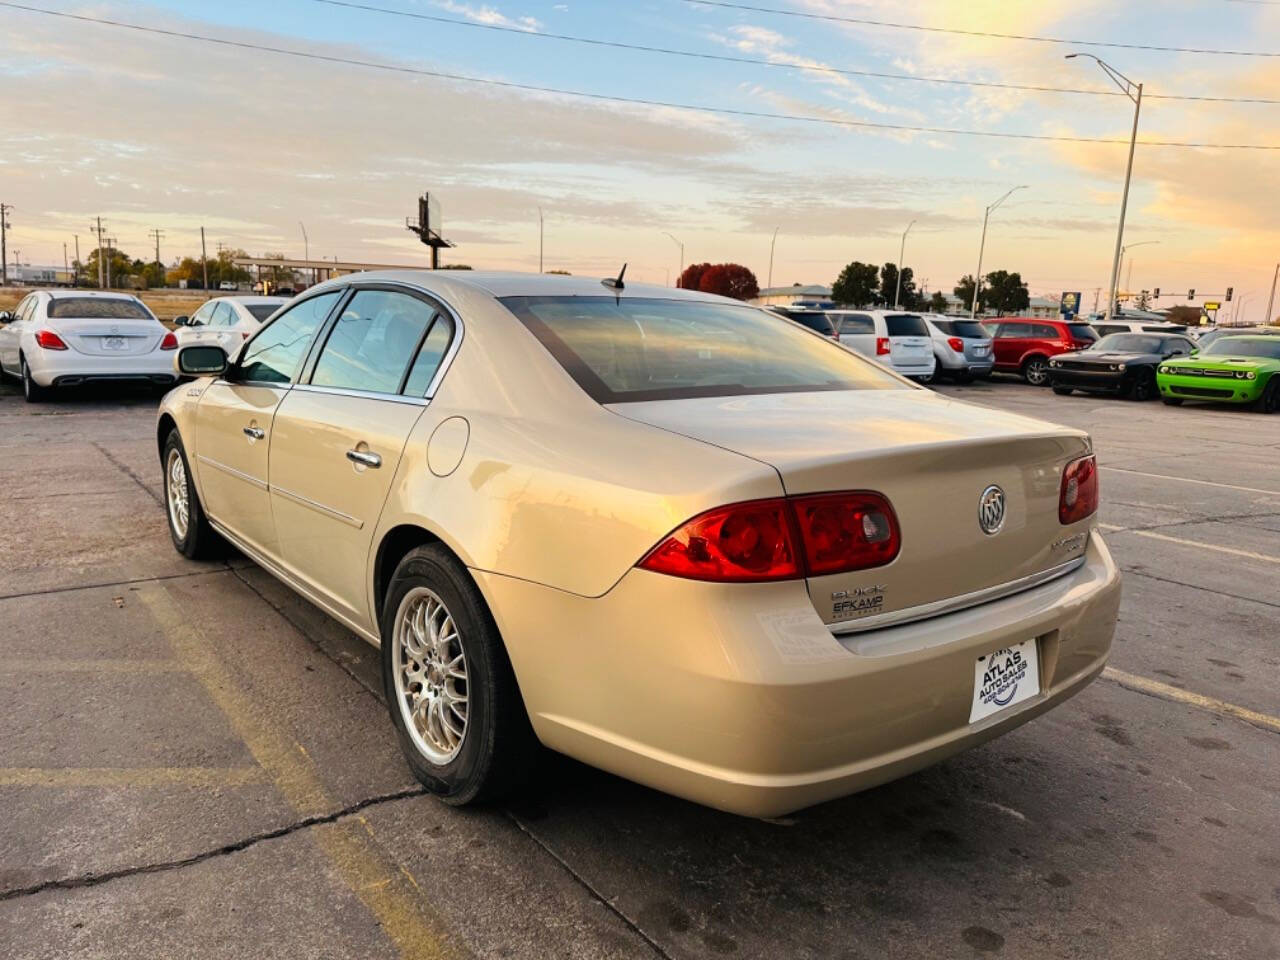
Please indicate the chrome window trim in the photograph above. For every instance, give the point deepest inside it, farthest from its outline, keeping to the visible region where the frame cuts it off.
(938, 608)
(318, 507)
(459, 329)
(260, 484)
(365, 394)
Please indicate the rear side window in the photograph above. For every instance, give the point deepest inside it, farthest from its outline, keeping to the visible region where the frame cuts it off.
(224, 315)
(429, 356)
(1081, 331)
(273, 356)
(1044, 331)
(261, 311)
(97, 308)
(1015, 329)
(857, 323)
(1104, 329)
(905, 325)
(814, 321)
(636, 349)
(373, 342)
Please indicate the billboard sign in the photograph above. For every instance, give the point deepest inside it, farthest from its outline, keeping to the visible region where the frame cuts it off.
(1070, 305)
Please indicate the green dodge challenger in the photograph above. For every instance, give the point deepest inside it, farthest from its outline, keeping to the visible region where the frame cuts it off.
(1232, 369)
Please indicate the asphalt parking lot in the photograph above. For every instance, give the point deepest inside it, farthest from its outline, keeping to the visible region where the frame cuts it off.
(196, 763)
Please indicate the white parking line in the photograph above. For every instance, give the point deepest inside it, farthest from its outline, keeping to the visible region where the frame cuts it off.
(1163, 690)
(1198, 544)
(1203, 483)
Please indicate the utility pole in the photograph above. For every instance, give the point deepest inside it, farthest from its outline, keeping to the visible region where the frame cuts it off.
(977, 276)
(897, 291)
(75, 281)
(539, 239)
(1272, 299)
(66, 268)
(1134, 92)
(204, 260)
(1097, 292)
(101, 266)
(157, 234)
(306, 244)
(4, 226)
(772, 243)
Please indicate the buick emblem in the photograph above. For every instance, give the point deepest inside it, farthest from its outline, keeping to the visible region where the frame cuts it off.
(991, 510)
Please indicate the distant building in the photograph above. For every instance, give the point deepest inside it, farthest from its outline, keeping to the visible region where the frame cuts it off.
(38, 275)
(782, 296)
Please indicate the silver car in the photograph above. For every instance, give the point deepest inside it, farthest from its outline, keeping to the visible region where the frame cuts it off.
(962, 348)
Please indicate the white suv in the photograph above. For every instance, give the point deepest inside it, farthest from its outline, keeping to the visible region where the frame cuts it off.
(899, 340)
(64, 338)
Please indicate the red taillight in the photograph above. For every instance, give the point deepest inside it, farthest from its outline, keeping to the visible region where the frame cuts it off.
(1079, 494)
(846, 531)
(49, 340)
(882, 346)
(741, 542)
(956, 344)
(170, 342)
(781, 539)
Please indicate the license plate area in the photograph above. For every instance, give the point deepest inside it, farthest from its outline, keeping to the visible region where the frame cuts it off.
(115, 343)
(1004, 678)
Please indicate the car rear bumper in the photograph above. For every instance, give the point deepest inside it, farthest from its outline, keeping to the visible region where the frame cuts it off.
(976, 366)
(67, 368)
(738, 696)
(914, 369)
(1213, 389)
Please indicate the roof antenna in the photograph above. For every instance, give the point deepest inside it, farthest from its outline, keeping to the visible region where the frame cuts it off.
(617, 284)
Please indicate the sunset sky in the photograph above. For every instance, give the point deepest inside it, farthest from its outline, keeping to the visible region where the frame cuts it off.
(153, 131)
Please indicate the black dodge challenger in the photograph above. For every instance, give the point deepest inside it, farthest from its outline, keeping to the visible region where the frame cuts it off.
(1120, 363)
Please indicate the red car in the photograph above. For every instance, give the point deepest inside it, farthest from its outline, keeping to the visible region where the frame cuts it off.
(1023, 345)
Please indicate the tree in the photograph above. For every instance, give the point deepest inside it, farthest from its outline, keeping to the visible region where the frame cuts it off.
(118, 267)
(455, 266)
(1005, 292)
(938, 302)
(221, 268)
(729, 280)
(692, 276)
(856, 285)
(964, 289)
(889, 286)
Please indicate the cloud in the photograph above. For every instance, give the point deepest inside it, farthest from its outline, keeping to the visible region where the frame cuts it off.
(486, 14)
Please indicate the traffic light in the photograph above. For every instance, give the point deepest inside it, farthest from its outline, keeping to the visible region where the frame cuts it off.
(1229, 289)
(1156, 293)
(1191, 294)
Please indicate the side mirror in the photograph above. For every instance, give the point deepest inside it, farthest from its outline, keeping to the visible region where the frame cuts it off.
(6, 316)
(181, 321)
(201, 361)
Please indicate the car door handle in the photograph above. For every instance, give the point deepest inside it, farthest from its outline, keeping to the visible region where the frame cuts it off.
(365, 458)
(255, 433)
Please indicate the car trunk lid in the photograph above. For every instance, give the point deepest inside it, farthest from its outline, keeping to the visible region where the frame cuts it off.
(932, 458)
(108, 337)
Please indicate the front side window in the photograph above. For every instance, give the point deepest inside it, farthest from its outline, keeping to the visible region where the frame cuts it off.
(373, 342)
(98, 308)
(1015, 329)
(1128, 343)
(620, 350)
(274, 354)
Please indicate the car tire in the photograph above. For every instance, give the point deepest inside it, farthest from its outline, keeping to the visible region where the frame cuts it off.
(189, 528)
(32, 392)
(1171, 401)
(485, 750)
(964, 376)
(1062, 391)
(1035, 371)
(1269, 402)
(1143, 387)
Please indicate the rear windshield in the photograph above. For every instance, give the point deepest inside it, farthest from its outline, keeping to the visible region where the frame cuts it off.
(970, 329)
(653, 349)
(905, 325)
(1082, 331)
(814, 321)
(1243, 347)
(96, 308)
(261, 311)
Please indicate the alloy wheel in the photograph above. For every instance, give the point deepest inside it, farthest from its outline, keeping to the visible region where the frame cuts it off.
(1037, 373)
(430, 671)
(177, 494)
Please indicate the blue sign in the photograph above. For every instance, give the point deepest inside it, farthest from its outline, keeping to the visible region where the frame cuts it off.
(1070, 304)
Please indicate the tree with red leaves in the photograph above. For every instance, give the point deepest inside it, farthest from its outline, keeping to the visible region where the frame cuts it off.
(724, 279)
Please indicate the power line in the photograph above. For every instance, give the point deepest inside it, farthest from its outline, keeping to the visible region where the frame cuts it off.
(765, 62)
(611, 98)
(867, 22)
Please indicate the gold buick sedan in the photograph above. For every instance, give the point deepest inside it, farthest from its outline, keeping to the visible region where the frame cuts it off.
(676, 537)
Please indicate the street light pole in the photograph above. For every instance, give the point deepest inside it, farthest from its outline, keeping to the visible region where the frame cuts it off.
(1271, 301)
(772, 244)
(902, 249)
(977, 276)
(306, 244)
(1123, 250)
(1134, 92)
(681, 246)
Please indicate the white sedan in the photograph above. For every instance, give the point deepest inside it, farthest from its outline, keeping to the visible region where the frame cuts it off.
(65, 338)
(227, 321)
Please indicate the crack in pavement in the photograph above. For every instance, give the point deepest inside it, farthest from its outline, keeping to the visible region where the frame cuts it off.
(1130, 571)
(113, 583)
(97, 879)
(127, 471)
